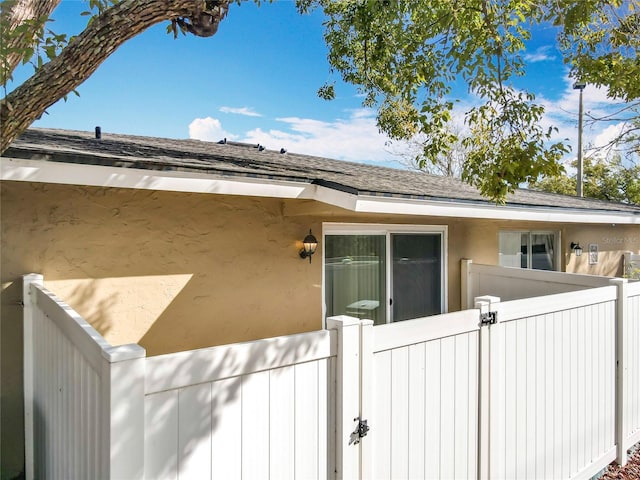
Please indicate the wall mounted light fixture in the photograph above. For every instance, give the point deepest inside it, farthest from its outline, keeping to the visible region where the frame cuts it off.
(309, 246)
(577, 249)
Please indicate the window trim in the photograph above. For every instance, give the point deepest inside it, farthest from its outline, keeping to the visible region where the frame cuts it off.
(387, 229)
(557, 257)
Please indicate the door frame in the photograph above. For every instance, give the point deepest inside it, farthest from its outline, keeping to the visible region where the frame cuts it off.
(334, 228)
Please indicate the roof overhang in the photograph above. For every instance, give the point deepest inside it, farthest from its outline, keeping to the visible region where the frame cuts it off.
(12, 169)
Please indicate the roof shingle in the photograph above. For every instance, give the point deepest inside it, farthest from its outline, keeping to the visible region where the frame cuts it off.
(236, 159)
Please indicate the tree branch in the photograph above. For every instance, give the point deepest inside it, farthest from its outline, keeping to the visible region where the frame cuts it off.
(13, 14)
(86, 52)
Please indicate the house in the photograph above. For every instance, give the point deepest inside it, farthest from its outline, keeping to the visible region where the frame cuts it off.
(182, 244)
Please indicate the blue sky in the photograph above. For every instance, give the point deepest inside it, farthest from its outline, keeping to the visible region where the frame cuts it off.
(256, 81)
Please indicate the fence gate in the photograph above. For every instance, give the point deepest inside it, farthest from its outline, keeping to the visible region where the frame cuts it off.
(410, 405)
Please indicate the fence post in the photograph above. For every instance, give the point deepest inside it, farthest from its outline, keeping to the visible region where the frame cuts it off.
(27, 315)
(465, 284)
(366, 396)
(621, 369)
(123, 377)
(347, 395)
(490, 391)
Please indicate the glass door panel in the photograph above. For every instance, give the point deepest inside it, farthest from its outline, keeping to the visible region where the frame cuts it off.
(416, 275)
(513, 249)
(355, 273)
(542, 255)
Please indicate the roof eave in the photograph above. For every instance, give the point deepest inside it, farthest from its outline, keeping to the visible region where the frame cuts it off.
(493, 212)
(14, 169)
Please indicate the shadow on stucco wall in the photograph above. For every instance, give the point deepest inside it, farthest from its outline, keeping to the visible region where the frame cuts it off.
(234, 306)
(143, 266)
(165, 408)
(12, 408)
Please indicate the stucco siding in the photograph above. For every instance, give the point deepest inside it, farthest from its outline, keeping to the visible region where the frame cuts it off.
(177, 271)
(169, 271)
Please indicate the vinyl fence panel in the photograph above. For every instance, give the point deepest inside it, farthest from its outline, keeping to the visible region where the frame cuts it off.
(425, 398)
(79, 423)
(256, 410)
(632, 363)
(68, 382)
(559, 385)
(510, 283)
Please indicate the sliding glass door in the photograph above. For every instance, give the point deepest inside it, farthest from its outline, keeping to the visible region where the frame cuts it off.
(416, 275)
(355, 276)
(383, 275)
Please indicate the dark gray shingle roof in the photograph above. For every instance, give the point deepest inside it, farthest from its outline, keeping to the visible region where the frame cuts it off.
(234, 159)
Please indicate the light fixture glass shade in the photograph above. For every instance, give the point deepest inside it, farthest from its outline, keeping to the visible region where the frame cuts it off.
(310, 243)
(577, 249)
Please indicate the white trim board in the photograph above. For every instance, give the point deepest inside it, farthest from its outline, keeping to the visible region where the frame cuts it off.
(12, 169)
(118, 177)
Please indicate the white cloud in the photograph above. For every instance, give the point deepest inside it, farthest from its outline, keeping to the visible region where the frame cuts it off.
(246, 111)
(605, 139)
(355, 138)
(540, 55)
(563, 114)
(607, 135)
(209, 129)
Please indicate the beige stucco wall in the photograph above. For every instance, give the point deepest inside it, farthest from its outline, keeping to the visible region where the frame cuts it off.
(611, 240)
(169, 271)
(175, 271)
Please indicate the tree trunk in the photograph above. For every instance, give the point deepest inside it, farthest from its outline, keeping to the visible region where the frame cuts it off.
(86, 52)
(33, 13)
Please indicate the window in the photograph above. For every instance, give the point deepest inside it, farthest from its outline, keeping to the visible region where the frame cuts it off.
(528, 250)
(385, 274)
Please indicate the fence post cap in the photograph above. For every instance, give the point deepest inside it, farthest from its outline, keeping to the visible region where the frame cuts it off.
(487, 298)
(341, 321)
(121, 353)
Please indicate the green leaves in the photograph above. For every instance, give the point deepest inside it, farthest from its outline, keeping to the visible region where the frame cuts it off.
(603, 179)
(35, 42)
(405, 55)
(507, 146)
(601, 43)
(327, 92)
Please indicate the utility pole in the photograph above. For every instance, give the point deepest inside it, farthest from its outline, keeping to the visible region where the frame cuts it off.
(579, 86)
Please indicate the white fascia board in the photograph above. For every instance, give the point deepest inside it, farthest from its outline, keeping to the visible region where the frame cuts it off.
(178, 181)
(396, 206)
(174, 181)
(334, 197)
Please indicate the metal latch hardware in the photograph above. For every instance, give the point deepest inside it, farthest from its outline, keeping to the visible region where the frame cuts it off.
(488, 318)
(360, 431)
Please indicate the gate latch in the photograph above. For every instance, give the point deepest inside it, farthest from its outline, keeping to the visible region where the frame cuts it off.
(488, 318)
(360, 431)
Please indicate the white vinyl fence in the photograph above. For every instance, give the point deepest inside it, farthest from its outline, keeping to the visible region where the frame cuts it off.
(250, 410)
(83, 404)
(519, 389)
(424, 397)
(511, 283)
(629, 355)
(557, 385)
